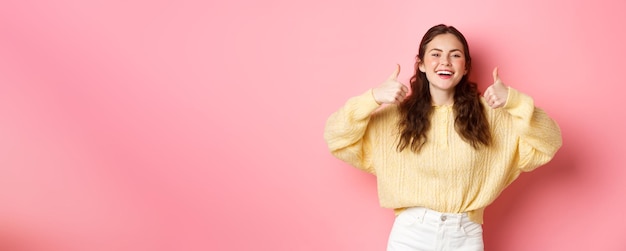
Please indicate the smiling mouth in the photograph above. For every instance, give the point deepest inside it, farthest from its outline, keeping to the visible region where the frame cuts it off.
(444, 73)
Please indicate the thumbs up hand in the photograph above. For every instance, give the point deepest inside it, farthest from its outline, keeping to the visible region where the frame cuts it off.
(497, 94)
(391, 91)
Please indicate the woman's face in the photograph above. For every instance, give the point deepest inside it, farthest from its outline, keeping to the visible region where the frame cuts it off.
(444, 62)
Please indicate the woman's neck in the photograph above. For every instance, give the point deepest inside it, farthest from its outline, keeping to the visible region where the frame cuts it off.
(442, 97)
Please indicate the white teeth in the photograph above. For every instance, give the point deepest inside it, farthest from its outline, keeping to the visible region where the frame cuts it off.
(444, 72)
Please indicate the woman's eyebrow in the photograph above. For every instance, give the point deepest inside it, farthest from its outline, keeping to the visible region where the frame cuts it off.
(453, 50)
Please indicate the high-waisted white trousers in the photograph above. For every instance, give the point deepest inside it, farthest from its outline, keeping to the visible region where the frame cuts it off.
(422, 229)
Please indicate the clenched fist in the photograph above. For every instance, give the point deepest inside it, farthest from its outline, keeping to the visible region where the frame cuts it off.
(391, 91)
(497, 94)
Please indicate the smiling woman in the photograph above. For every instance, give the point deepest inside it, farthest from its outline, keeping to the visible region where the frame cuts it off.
(195, 125)
(437, 157)
(444, 63)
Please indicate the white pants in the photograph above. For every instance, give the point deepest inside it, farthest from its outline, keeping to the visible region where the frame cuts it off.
(423, 229)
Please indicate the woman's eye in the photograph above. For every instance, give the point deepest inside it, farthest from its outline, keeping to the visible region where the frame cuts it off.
(435, 54)
(456, 55)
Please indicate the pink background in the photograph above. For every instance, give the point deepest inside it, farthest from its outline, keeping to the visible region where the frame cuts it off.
(195, 125)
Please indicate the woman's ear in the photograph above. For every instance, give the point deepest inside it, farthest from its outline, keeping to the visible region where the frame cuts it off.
(420, 65)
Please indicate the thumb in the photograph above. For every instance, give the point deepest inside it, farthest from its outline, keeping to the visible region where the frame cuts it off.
(394, 75)
(495, 75)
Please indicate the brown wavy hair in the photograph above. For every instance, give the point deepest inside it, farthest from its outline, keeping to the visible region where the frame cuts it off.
(415, 111)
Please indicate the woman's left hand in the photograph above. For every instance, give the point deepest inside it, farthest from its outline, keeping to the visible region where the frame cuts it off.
(496, 94)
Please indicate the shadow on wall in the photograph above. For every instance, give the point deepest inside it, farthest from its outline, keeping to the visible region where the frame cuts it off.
(503, 216)
(14, 239)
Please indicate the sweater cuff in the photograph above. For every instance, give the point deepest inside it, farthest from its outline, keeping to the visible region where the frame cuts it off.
(516, 99)
(361, 106)
(369, 102)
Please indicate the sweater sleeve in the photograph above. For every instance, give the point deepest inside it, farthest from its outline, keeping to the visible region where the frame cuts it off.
(539, 135)
(345, 131)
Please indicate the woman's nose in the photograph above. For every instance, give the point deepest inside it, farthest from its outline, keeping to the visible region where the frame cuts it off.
(444, 61)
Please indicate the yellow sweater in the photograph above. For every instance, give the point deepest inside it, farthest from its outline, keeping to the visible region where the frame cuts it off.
(447, 174)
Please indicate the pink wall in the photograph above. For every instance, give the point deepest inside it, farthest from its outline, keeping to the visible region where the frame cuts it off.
(195, 125)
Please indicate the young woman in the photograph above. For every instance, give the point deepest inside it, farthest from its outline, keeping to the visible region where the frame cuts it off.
(443, 153)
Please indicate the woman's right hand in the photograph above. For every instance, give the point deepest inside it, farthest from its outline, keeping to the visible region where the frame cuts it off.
(391, 91)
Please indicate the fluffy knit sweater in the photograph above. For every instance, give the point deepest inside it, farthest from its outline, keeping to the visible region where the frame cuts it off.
(446, 174)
